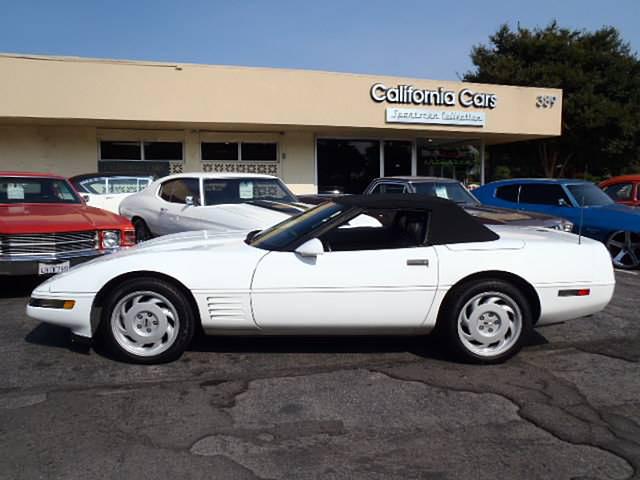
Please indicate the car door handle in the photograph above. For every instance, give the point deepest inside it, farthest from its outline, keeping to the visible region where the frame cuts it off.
(164, 210)
(423, 262)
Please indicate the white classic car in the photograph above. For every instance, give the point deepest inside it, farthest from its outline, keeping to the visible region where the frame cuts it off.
(107, 190)
(219, 202)
(421, 264)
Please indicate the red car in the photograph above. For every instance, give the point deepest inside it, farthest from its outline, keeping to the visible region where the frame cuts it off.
(624, 189)
(46, 227)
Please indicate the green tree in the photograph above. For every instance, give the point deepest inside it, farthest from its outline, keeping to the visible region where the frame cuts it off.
(600, 79)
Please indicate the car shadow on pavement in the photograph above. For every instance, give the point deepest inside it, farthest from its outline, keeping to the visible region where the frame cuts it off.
(15, 287)
(424, 346)
(50, 336)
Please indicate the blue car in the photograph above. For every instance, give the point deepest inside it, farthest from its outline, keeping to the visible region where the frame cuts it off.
(581, 202)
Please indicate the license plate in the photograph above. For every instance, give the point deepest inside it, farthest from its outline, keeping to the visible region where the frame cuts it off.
(52, 268)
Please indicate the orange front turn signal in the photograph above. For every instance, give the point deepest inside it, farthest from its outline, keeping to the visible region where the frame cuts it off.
(69, 304)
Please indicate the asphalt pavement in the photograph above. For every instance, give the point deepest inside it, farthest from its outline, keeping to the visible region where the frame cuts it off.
(567, 407)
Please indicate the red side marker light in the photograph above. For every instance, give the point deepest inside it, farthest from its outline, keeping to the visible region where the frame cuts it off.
(582, 292)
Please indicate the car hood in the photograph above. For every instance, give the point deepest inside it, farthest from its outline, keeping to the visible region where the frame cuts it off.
(247, 216)
(500, 216)
(52, 218)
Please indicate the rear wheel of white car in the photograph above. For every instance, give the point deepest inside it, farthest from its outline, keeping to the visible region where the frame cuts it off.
(486, 321)
(624, 248)
(147, 320)
(142, 230)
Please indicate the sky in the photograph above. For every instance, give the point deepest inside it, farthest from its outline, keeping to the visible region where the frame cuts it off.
(413, 38)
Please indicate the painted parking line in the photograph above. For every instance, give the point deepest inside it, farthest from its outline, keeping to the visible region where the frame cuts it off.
(626, 271)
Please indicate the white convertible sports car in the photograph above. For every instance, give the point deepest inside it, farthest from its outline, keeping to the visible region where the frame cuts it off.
(420, 264)
(218, 202)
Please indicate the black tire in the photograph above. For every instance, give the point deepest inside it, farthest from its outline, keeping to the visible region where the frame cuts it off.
(142, 230)
(174, 300)
(458, 299)
(624, 248)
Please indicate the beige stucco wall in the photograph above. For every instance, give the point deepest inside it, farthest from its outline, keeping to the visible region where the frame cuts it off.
(61, 150)
(200, 95)
(74, 150)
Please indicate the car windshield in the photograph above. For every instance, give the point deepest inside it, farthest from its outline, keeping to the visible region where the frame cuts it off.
(588, 195)
(112, 185)
(282, 234)
(36, 190)
(242, 190)
(453, 191)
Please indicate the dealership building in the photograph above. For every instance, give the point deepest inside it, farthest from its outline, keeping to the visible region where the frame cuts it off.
(318, 131)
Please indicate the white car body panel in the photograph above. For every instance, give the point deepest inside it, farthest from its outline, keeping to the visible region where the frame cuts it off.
(339, 292)
(163, 217)
(110, 201)
(380, 291)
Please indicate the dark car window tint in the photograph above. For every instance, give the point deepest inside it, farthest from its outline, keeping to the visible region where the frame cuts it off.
(542, 194)
(177, 191)
(240, 190)
(588, 195)
(397, 229)
(508, 193)
(185, 187)
(453, 191)
(383, 188)
(165, 190)
(621, 191)
(36, 190)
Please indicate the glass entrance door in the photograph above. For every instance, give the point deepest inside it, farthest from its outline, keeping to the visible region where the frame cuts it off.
(397, 158)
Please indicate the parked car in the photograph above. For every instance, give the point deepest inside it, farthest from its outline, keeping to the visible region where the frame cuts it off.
(219, 202)
(624, 189)
(455, 191)
(594, 214)
(45, 227)
(107, 190)
(422, 263)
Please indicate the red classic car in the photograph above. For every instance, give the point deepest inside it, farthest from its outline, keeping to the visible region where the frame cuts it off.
(624, 189)
(46, 227)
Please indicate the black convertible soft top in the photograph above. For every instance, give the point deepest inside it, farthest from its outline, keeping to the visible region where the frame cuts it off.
(448, 222)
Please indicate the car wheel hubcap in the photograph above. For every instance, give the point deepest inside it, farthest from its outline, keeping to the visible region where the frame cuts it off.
(145, 323)
(624, 248)
(489, 324)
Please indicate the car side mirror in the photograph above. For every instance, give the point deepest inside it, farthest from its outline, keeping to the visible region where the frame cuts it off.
(310, 248)
(562, 202)
(85, 197)
(189, 201)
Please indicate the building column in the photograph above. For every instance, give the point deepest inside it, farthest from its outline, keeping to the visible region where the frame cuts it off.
(482, 165)
(192, 151)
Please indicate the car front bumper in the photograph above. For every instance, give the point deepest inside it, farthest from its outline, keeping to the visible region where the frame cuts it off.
(77, 319)
(30, 265)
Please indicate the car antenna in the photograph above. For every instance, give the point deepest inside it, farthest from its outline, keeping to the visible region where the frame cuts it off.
(584, 177)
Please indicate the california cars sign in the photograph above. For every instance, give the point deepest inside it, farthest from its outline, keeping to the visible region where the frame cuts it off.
(409, 95)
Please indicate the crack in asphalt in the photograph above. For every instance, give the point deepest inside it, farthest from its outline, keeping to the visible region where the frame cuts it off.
(543, 414)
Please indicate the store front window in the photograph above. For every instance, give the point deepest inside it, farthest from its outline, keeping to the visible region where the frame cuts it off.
(397, 158)
(347, 166)
(138, 157)
(449, 159)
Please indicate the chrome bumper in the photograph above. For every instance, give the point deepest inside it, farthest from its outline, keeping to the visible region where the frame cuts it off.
(28, 265)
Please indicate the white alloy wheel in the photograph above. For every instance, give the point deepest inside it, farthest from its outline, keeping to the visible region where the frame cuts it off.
(624, 248)
(489, 324)
(145, 323)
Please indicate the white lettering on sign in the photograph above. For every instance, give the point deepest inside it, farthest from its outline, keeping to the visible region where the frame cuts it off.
(408, 94)
(435, 117)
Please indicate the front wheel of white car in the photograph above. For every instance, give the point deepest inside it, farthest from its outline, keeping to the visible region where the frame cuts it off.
(147, 320)
(486, 321)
